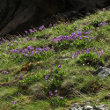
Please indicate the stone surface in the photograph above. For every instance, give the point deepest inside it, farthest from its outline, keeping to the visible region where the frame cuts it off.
(17, 15)
(77, 106)
(88, 108)
(103, 72)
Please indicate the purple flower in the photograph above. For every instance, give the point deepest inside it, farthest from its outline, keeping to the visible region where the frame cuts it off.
(55, 91)
(100, 53)
(41, 27)
(79, 33)
(21, 76)
(14, 51)
(59, 66)
(53, 25)
(82, 51)
(88, 50)
(27, 38)
(34, 30)
(61, 97)
(50, 25)
(76, 54)
(13, 102)
(31, 31)
(19, 94)
(50, 93)
(30, 48)
(66, 24)
(32, 53)
(4, 72)
(46, 76)
(13, 57)
(56, 95)
(51, 70)
(8, 44)
(36, 52)
(87, 32)
(26, 32)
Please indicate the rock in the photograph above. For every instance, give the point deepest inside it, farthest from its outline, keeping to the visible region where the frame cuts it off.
(77, 106)
(88, 108)
(103, 72)
(18, 15)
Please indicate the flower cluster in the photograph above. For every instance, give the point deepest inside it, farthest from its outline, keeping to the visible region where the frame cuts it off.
(4, 72)
(30, 51)
(102, 23)
(31, 31)
(41, 27)
(46, 77)
(2, 40)
(55, 93)
(73, 37)
(87, 50)
(13, 102)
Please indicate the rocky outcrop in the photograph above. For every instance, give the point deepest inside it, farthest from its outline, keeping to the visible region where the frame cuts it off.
(103, 72)
(21, 14)
(86, 106)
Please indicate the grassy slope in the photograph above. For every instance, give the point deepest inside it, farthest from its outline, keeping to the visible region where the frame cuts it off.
(76, 74)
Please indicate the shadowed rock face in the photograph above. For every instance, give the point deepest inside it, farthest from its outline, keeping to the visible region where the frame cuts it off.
(21, 14)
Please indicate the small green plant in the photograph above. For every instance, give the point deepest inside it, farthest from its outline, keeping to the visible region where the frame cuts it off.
(58, 101)
(54, 80)
(90, 59)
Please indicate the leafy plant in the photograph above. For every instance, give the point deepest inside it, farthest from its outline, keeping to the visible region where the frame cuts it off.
(90, 59)
(58, 101)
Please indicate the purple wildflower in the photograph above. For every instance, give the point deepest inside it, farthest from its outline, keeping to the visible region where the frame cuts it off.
(100, 53)
(56, 95)
(55, 91)
(27, 38)
(54, 25)
(4, 72)
(51, 70)
(36, 52)
(50, 25)
(41, 27)
(61, 97)
(87, 32)
(46, 76)
(26, 32)
(50, 93)
(76, 54)
(59, 66)
(13, 102)
(19, 94)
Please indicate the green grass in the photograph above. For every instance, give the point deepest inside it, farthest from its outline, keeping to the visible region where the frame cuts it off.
(74, 80)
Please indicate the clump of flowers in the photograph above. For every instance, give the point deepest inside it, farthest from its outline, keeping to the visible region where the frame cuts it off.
(102, 23)
(30, 51)
(54, 80)
(91, 59)
(4, 72)
(41, 27)
(58, 101)
(88, 50)
(79, 39)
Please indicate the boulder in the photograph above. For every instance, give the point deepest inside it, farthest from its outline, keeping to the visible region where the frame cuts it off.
(18, 15)
(103, 72)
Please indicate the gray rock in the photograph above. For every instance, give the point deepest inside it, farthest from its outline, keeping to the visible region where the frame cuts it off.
(77, 106)
(18, 14)
(103, 72)
(88, 108)
(103, 107)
